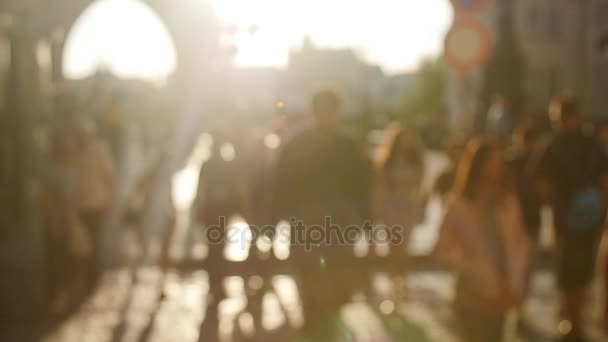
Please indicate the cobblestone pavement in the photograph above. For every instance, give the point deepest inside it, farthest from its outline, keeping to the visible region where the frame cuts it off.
(130, 308)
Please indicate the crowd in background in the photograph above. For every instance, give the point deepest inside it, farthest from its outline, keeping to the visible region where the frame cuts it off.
(75, 196)
(493, 192)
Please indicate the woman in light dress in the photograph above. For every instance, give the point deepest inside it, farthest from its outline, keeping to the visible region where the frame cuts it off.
(483, 241)
(398, 202)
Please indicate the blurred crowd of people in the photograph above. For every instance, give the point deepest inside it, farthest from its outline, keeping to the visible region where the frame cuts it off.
(491, 233)
(489, 238)
(75, 196)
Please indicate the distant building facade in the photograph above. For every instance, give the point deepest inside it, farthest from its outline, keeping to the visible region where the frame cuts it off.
(311, 67)
(560, 40)
(260, 92)
(367, 91)
(598, 101)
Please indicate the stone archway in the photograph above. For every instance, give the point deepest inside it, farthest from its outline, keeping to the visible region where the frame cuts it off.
(126, 37)
(190, 24)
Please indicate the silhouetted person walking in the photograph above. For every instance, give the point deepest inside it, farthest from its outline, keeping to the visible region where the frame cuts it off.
(94, 191)
(569, 173)
(322, 186)
(58, 211)
(219, 197)
(521, 166)
(398, 201)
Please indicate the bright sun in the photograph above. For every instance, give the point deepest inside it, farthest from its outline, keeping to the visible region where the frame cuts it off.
(125, 36)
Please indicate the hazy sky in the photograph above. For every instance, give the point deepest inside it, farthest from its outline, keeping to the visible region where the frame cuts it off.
(393, 33)
(129, 38)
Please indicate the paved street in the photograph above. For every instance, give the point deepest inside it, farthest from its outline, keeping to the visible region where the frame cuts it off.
(127, 308)
(128, 305)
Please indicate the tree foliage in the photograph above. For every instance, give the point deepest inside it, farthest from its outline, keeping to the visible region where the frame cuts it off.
(426, 101)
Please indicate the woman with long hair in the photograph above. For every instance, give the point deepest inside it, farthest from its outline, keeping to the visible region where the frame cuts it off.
(398, 203)
(483, 241)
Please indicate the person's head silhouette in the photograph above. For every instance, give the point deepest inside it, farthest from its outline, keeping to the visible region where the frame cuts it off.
(564, 113)
(326, 108)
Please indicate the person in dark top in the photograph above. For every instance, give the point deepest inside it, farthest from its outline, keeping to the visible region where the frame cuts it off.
(452, 147)
(322, 175)
(220, 196)
(521, 168)
(259, 180)
(569, 174)
(601, 131)
(322, 167)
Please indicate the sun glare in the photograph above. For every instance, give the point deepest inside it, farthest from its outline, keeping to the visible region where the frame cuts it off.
(396, 34)
(125, 36)
(129, 38)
